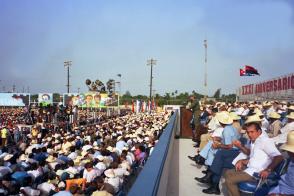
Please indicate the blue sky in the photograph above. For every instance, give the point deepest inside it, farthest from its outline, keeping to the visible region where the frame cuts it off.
(104, 38)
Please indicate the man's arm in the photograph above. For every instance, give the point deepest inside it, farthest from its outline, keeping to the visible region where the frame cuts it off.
(238, 144)
(276, 161)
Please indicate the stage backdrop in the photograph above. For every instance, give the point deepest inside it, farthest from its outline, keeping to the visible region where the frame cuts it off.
(90, 100)
(14, 99)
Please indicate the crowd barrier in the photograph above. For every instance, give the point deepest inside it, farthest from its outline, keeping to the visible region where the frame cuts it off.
(155, 177)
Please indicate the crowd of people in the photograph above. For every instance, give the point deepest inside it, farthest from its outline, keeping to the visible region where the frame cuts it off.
(245, 142)
(52, 156)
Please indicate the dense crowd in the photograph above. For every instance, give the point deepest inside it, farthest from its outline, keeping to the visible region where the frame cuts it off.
(64, 156)
(245, 142)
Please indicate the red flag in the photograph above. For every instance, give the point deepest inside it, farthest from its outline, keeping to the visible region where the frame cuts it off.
(242, 72)
(133, 106)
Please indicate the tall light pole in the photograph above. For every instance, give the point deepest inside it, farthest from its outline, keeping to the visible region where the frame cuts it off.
(205, 74)
(151, 62)
(119, 87)
(67, 64)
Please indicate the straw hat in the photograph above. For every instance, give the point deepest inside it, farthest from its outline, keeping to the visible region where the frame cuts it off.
(224, 118)
(51, 159)
(8, 157)
(234, 116)
(77, 161)
(291, 115)
(109, 148)
(289, 146)
(84, 153)
(100, 157)
(253, 118)
(266, 104)
(119, 137)
(274, 115)
(23, 157)
(258, 112)
(109, 173)
(291, 107)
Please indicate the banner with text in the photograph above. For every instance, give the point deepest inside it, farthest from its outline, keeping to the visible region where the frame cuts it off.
(280, 88)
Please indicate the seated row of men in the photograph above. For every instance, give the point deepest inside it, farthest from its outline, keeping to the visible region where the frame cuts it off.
(237, 152)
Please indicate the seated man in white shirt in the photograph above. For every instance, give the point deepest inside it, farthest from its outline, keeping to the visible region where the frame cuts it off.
(282, 138)
(263, 158)
(90, 173)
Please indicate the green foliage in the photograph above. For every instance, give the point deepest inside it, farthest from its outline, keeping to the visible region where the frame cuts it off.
(217, 93)
(171, 98)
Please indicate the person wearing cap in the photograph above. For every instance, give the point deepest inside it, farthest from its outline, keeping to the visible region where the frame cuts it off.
(193, 106)
(275, 124)
(263, 158)
(286, 182)
(282, 137)
(224, 156)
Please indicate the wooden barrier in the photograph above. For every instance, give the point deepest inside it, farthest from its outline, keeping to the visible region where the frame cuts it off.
(186, 116)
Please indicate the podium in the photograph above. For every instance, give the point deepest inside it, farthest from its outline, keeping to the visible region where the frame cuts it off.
(186, 116)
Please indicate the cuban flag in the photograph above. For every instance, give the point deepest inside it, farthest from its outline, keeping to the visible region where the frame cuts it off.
(248, 71)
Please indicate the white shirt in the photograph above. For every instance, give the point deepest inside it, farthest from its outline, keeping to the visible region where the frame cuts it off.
(120, 172)
(73, 155)
(264, 124)
(101, 166)
(239, 111)
(46, 187)
(115, 182)
(91, 175)
(218, 132)
(213, 124)
(282, 138)
(262, 152)
(245, 112)
(72, 171)
(34, 173)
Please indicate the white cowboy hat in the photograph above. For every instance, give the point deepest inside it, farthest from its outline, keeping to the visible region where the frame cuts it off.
(109, 173)
(23, 157)
(291, 115)
(274, 115)
(51, 159)
(291, 107)
(289, 146)
(224, 118)
(8, 157)
(234, 116)
(258, 112)
(253, 118)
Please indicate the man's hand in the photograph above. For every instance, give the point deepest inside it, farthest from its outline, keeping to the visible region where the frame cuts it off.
(215, 145)
(239, 165)
(264, 174)
(237, 143)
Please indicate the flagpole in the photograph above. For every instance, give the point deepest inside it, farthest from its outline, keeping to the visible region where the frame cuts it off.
(205, 74)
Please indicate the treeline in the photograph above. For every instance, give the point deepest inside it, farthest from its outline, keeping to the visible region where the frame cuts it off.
(175, 98)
